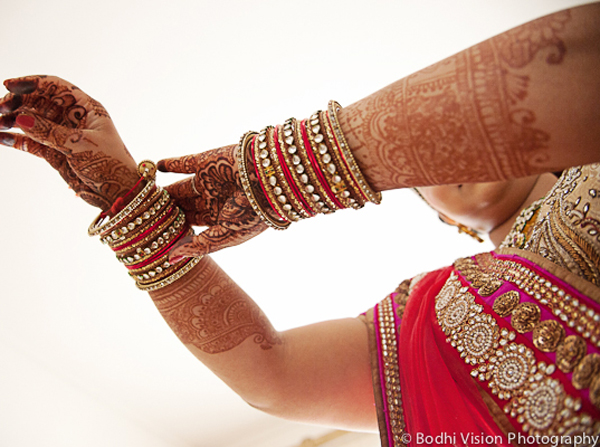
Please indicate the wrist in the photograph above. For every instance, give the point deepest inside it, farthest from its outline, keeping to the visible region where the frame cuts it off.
(142, 233)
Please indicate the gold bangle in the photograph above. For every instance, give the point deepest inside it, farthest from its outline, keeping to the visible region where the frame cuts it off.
(97, 226)
(355, 171)
(146, 248)
(165, 213)
(147, 170)
(295, 166)
(245, 181)
(319, 151)
(267, 174)
(171, 279)
(137, 220)
(342, 185)
(313, 184)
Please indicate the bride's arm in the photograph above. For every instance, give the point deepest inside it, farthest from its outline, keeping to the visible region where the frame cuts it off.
(318, 373)
(523, 102)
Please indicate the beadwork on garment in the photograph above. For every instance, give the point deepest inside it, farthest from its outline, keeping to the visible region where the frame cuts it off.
(525, 351)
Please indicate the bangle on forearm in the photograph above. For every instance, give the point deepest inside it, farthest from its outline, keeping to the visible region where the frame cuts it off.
(144, 231)
(293, 168)
(264, 165)
(363, 185)
(303, 168)
(242, 153)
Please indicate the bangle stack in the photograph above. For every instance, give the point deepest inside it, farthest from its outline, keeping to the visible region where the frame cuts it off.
(303, 168)
(142, 233)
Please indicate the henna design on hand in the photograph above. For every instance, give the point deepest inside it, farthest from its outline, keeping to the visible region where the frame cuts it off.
(208, 310)
(60, 163)
(73, 132)
(459, 118)
(221, 205)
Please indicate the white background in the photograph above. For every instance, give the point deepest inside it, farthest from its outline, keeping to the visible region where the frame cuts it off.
(85, 359)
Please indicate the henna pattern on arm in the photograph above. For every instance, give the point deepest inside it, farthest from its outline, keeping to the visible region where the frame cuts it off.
(208, 310)
(214, 199)
(460, 118)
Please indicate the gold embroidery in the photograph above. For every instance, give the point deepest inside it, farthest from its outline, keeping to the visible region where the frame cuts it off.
(595, 391)
(567, 230)
(391, 381)
(547, 335)
(576, 315)
(505, 303)
(570, 353)
(525, 317)
(509, 370)
(536, 400)
(586, 371)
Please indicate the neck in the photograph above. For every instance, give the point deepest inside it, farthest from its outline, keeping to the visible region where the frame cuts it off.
(539, 190)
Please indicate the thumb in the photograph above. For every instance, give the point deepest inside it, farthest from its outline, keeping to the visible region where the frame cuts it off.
(186, 247)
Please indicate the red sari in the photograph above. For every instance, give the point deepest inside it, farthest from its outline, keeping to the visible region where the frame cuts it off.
(486, 353)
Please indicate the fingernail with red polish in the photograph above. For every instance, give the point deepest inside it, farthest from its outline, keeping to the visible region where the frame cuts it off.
(176, 259)
(25, 121)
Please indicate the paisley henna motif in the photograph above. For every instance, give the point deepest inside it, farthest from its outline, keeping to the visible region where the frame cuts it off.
(213, 198)
(208, 310)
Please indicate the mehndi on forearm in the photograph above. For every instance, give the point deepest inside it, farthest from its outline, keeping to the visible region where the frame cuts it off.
(206, 309)
(520, 103)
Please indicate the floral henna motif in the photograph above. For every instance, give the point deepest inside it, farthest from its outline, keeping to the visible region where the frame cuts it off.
(213, 198)
(462, 117)
(208, 310)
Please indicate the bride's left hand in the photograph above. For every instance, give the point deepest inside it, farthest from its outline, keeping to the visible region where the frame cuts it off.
(71, 131)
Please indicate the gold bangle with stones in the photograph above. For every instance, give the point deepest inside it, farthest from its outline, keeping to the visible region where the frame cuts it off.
(189, 265)
(245, 181)
(160, 267)
(155, 202)
(156, 273)
(313, 186)
(147, 171)
(373, 196)
(343, 185)
(98, 226)
(139, 255)
(143, 225)
(319, 153)
(136, 239)
(142, 258)
(267, 175)
(309, 185)
(146, 248)
(293, 163)
(292, 204)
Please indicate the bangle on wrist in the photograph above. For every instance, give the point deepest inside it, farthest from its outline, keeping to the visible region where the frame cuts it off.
(142, 233)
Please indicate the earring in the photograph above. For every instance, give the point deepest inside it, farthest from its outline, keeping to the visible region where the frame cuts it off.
(464, 229)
